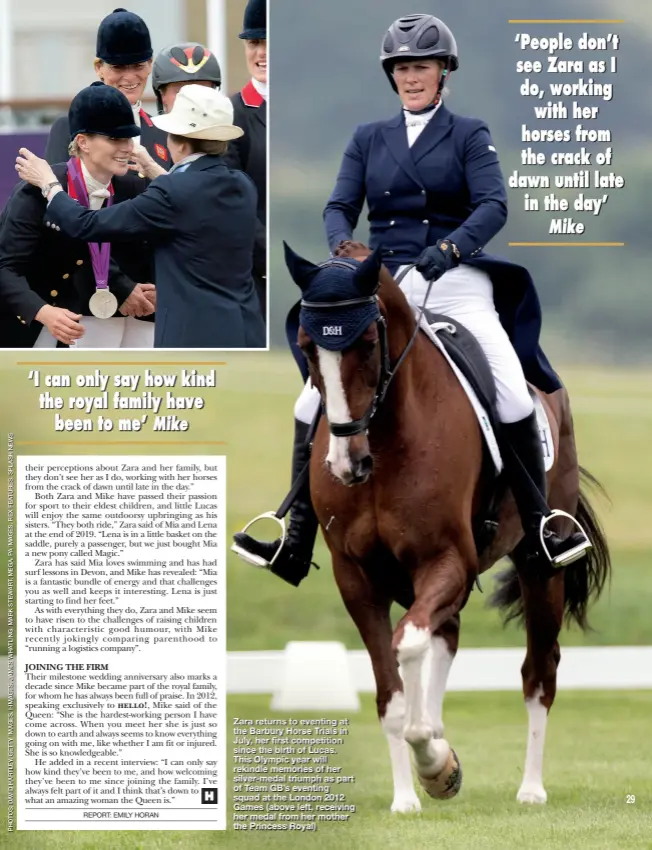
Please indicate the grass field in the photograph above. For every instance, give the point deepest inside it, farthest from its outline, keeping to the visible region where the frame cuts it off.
(591, 765)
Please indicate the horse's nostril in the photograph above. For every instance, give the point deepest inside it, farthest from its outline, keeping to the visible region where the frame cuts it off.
(366, 465)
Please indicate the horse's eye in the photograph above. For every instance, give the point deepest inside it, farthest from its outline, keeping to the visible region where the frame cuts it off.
(368, 344)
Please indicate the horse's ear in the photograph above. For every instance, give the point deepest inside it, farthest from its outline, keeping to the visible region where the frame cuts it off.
(302, 271)
(366, 276)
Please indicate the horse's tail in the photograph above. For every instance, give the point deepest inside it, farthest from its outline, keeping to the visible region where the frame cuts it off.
(584, 580)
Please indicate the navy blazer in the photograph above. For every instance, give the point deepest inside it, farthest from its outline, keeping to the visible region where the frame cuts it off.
(447, 185)
(40, 265)
(201, 223)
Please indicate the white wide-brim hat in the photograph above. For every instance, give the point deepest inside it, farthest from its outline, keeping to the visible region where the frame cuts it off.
(200, 112)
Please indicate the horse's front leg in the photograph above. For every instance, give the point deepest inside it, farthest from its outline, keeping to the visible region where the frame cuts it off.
(443, 645)
(440, 588)
(369, 609)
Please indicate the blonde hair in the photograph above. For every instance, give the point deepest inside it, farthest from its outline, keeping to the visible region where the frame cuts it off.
(73, 148)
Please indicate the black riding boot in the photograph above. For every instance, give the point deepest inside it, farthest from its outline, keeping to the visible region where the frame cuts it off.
(524, 464)
(294, 559)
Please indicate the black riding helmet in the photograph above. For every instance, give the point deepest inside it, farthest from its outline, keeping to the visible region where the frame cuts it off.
(418, 37)
(186, 62)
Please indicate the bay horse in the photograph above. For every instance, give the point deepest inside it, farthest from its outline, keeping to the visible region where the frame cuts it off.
(395, 479)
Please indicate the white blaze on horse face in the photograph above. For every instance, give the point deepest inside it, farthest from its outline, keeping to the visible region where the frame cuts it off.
(337, 411)
(413, 653)
(532, 790)
(393, 723)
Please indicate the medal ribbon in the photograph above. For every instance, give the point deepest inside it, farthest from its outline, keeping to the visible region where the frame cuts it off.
(100, 252)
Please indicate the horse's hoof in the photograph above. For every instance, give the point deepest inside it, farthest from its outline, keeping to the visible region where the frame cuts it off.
(532, 794)
(447, 782)
(406, 805)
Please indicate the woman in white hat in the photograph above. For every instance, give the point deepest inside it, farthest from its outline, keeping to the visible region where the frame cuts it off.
(200, 217)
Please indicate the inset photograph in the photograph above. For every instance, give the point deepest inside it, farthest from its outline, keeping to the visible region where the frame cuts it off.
(133, 193)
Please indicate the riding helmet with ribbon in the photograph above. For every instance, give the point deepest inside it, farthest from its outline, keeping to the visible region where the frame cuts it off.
(418, 37)
(185, 62)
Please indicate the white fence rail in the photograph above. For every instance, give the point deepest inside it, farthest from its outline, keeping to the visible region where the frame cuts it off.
(598, 668)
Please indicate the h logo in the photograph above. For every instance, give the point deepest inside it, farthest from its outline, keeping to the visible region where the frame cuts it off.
(209, 795)
(331, 330)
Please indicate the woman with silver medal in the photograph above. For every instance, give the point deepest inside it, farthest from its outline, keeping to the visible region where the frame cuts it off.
(57, 290)
(103, 303)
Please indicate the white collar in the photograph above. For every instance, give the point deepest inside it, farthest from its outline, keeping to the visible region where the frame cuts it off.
(135, 108)
(261, 88)
(419, 120)
(92, 185)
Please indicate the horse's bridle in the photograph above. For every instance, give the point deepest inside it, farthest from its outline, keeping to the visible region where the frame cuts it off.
(387, 372)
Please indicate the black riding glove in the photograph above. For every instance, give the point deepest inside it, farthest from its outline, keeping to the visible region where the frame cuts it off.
(438, 259)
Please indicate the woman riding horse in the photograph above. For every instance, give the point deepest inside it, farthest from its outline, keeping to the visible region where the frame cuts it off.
(435, 192)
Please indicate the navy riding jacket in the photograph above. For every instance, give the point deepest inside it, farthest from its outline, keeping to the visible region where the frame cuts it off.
(447, 185)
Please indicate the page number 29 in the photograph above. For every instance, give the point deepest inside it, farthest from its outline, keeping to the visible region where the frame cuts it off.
(630, 798)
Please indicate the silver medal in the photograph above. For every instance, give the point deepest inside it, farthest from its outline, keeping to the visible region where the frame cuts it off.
(103, 304)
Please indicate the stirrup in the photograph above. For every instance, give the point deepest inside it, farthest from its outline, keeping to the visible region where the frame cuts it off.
(258, 560)
(571, 555)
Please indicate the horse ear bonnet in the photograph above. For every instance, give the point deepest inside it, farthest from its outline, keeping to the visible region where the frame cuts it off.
(302, 271)
(329, 323)
(367, 275)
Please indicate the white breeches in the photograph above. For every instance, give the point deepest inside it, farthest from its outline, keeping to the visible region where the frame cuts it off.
(466, 294)
(117, 332)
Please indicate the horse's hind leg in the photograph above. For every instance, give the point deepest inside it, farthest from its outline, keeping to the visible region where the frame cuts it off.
(443, 645)
(369, 608)
(543, 605)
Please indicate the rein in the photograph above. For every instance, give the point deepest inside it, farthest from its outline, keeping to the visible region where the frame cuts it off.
(387, 372)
